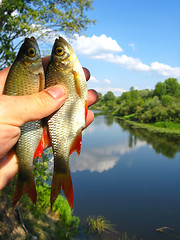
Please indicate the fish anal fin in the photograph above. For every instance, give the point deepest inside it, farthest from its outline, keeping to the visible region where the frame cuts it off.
(62, 180)
(25, 186)
(76, 144)
(77, 83)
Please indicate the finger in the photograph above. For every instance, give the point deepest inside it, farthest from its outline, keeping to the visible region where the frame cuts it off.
(31, 107)
(92, 97)
(90, 118)
(87, 73)
(8, 168)
(9, 135)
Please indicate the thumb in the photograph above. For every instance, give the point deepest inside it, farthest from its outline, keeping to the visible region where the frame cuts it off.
(17, 110)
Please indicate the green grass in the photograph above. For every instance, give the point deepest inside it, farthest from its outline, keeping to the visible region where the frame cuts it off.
(99, 225)
(171, 129)
(169, 125)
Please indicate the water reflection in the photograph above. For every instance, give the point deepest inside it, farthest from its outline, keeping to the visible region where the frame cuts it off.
(103, 154)
(119, 175)
(166, 145)
(102, 159)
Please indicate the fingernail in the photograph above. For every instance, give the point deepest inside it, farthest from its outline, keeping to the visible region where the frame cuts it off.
(56, 91)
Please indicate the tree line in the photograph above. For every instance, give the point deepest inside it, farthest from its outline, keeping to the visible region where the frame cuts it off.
(145, 106)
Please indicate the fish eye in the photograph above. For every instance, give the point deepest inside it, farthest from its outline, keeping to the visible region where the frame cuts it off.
(31, 52)
(59, 51)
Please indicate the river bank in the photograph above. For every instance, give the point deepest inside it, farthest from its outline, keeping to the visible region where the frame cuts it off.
(154, 129)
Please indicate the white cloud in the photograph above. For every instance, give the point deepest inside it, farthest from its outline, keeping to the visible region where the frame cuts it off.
(136, 64)
(107, 81)
(95, 45)
(106, 49)
(165, 70)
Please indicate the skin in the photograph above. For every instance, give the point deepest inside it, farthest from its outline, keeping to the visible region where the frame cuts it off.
(35, 107)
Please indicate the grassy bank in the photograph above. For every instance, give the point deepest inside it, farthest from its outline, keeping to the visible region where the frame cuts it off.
(159, 128)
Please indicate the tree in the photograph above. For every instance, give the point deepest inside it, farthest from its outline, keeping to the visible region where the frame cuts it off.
(172, 87)
(109, 96)
(19, 18)
(160, 89)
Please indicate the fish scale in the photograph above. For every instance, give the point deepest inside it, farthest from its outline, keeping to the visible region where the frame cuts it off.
(26, 76)
(65, 126)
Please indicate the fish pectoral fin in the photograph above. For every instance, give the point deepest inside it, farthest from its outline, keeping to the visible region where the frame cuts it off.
(25, 186)
(77, 82)
(62, 180)
(41, 81)
(43, 143)
(39, 149)
(76, 144)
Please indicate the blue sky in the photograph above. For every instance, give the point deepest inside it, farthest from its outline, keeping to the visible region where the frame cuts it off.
(134, 43)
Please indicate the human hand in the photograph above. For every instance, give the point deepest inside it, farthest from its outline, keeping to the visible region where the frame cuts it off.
(16, 110)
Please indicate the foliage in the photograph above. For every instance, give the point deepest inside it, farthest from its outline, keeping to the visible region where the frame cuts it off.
(145, 106)
(19, 18)
(99, 225)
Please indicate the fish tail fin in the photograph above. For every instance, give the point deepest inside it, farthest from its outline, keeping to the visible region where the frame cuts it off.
(27, 186)
(62, 180)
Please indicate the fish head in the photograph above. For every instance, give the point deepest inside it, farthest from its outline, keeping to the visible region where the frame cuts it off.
(29, 56)
(62, 55)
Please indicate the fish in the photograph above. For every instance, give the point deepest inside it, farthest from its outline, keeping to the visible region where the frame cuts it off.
(26, 76)
(65, 126)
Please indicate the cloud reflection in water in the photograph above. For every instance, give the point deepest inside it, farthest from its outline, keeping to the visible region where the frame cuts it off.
(102, 158)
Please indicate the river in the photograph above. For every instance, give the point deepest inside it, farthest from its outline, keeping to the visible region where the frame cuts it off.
(128, 176)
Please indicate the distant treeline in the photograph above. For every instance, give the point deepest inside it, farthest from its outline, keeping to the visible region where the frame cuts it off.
(145, 106)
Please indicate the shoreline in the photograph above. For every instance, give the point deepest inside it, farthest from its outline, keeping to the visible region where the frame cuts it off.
(153, 129)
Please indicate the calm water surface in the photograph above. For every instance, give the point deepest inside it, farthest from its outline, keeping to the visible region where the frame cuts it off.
(130, 177)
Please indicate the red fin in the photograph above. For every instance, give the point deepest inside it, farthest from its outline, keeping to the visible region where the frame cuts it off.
(43, 143)
(76, 145)
(86, 110)
(25, 186)
(39, 149)
(63, 181)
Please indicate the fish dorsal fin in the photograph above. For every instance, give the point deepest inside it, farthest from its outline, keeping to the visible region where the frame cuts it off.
(76, 144)
(77, 83)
